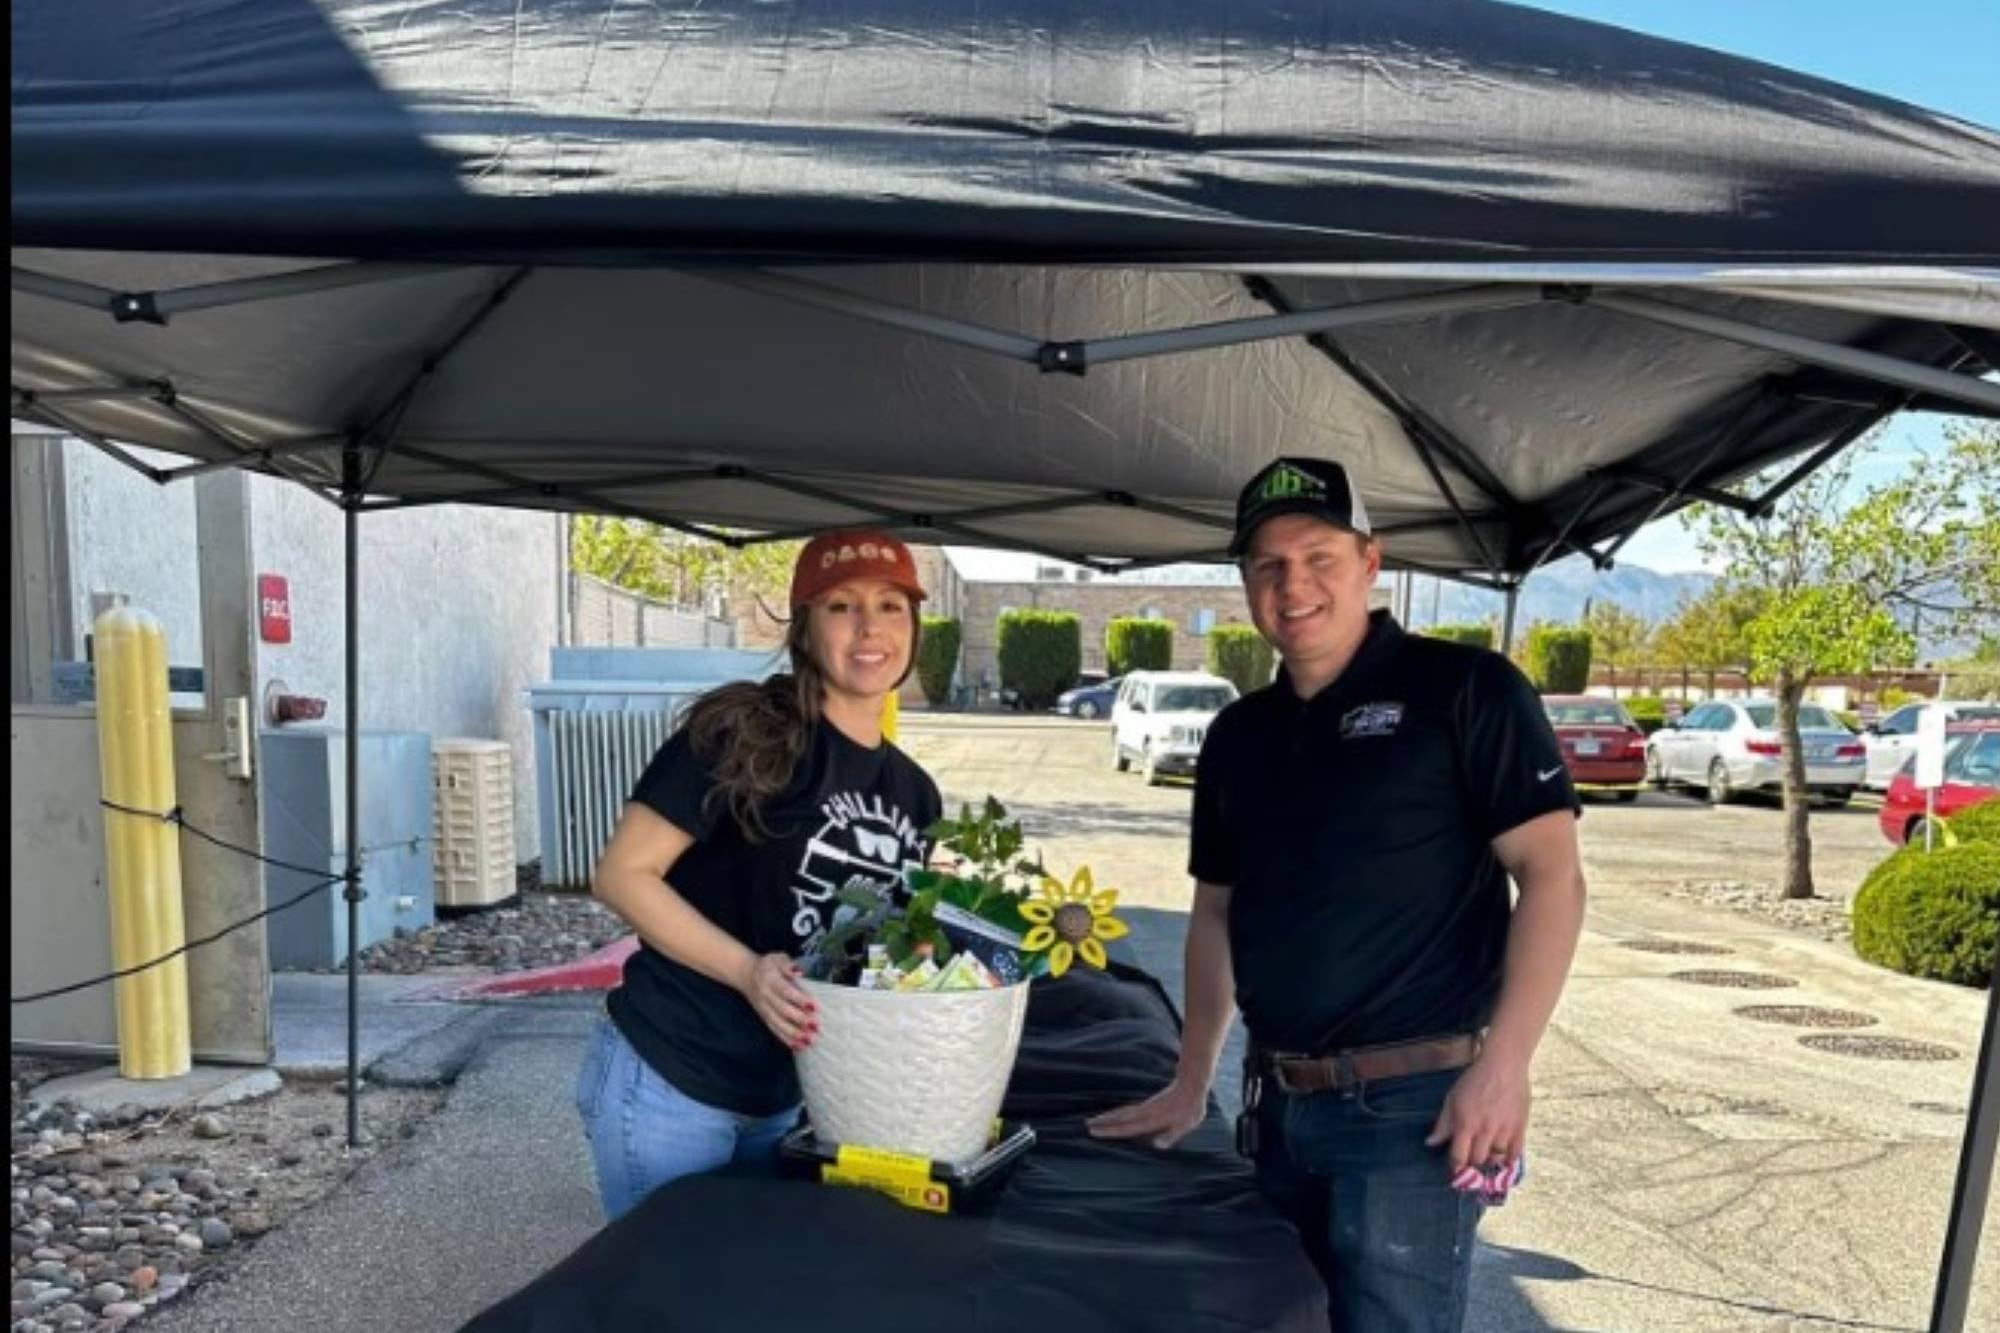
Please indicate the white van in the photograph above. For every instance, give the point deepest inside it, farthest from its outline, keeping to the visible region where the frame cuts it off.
(1160, 719)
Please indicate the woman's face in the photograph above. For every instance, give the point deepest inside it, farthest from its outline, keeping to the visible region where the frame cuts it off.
(861, 634)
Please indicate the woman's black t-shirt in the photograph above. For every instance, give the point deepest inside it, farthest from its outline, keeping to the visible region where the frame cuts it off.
(850, 814)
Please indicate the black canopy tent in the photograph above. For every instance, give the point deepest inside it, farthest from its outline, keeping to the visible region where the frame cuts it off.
(1020, 275)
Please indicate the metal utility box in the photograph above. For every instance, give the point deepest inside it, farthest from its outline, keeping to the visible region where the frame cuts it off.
(304, 777)
(472, 822)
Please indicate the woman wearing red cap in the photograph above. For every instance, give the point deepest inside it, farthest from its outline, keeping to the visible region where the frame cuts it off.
(768, 800)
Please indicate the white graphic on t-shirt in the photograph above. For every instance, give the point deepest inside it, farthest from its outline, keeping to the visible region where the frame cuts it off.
(866, 841)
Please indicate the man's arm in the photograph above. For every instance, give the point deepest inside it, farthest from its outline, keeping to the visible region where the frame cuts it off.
(1486, 1116)
(1169, 1114)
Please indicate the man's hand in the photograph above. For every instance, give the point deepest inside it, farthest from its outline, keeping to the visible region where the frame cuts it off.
(1485, 1116)
(1165, 1117)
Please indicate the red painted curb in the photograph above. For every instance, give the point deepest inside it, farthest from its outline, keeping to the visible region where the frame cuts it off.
(596, 971)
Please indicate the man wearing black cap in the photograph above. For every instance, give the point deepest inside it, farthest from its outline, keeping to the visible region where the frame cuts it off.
(1356, 824)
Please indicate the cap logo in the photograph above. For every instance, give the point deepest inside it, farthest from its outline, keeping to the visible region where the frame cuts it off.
(1286, 482)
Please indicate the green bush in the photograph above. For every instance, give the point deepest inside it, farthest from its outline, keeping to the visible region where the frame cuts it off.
(1978, 823)
(1648, 710)
(1852, 721)
(1240, 655)
(1040, 655)
(1479, 636)
(1134, 644)
(937, 657)
(1933, 914)
(1893, 698)
(1558, 660)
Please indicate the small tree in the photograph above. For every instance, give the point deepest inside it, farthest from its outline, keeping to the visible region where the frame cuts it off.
(1241, 656)
(1558, 660)
(937, 657)
(1707, 634)
(1617, 638)
(1132, 643)
(1479, 636)
(669, 566)
(1040, 654)
(1830, 571)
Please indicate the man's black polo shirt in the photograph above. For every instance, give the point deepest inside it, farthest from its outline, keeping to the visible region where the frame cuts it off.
(1355, 832)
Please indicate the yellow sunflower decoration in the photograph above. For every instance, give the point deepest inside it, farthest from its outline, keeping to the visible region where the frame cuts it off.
(1071, 921)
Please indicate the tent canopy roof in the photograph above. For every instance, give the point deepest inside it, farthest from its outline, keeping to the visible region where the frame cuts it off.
(772, 268)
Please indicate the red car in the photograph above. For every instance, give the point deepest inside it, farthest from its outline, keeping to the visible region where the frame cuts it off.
(1971, 775)
(1603, 746)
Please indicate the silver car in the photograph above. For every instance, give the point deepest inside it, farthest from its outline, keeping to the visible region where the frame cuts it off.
(1731, 746)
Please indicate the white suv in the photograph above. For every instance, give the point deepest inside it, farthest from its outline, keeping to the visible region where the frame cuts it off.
(1894, 739)
(1160, 718)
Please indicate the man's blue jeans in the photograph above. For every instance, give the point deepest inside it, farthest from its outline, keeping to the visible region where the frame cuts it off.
(1374, 1206)
(645, 1132)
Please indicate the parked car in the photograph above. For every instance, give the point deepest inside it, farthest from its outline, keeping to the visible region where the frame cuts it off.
(1603, 747)
(1728, 747)
(1971, 775)
(1160, 719)
(1893, 739)
(1090, 697)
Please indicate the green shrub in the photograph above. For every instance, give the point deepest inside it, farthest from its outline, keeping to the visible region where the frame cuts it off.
(937, 657)
(1978, 823)
(1558, 660)
(1852, 721)
(1040, 655)
(1933, 914)
(1240, 655)
(1893, 698)
(1648, 710)
(1134, 644)
(1479, 636)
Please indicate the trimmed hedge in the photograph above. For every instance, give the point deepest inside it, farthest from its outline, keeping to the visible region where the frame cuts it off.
(1933, 914)
(1241, 656)
(1558, 660)
(937, 657)
(1479, 636)
(1041, 653)
(1135, 644)
(1977, 823)
(1648, 710)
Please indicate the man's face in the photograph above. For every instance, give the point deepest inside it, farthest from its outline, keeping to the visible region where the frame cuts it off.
(1308, 582)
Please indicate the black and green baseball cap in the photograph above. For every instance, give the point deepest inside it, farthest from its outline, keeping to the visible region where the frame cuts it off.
(1316, 486)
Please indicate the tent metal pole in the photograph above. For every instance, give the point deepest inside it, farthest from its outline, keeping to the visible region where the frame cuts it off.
(276, 286)
(1234, 332)
(1975, 1180)
(545, 490)
(228, 439)
(1809, 465)
(260, 454)
(352, 891)
(48, 417)
(1507, 621)
(67, 290)
(1869, 365)
(1010, 345)
(1723, 440)
(109, 393)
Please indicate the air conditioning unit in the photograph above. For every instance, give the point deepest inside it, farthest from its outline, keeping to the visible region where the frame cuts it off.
(472, 821)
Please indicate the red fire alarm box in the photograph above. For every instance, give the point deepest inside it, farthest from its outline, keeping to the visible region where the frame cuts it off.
(274, 609)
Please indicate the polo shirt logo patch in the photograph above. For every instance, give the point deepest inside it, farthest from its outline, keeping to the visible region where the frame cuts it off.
(1370, 720)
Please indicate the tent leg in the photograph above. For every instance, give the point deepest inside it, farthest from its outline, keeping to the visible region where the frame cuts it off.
(351, 501)
(1975, 1180)
(1507, 623)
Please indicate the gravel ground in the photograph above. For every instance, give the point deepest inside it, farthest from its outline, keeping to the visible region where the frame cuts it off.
(534, 928)
(113, 1216)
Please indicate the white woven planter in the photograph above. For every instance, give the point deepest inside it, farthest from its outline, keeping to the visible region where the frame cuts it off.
(919, 1073)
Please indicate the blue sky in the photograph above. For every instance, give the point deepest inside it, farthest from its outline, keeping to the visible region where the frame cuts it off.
(1939, 54)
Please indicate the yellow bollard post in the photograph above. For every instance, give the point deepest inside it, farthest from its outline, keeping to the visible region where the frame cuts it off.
(142, 854)
(891, 708)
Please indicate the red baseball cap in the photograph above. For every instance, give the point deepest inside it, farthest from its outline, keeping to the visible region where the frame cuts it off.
(834, 558)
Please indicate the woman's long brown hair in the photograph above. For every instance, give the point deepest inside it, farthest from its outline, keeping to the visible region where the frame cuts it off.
(752, 734)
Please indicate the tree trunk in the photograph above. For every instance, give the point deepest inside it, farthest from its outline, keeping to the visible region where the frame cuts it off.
(1798, 880)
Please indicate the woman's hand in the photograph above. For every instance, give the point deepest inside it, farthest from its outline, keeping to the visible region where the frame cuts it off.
(771, 986)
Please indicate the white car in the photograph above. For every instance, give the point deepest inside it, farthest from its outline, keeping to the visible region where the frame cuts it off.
(1160, 719)
(1731, 746)
(1894, 739)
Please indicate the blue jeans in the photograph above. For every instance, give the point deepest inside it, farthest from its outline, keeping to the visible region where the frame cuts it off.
(645, 1132)
(1374, 1206)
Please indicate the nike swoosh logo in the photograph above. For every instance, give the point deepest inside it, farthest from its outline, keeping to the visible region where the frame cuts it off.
(1544, 777)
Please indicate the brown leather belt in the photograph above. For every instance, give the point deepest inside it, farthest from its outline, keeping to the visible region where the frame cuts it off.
(1347, 1070)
